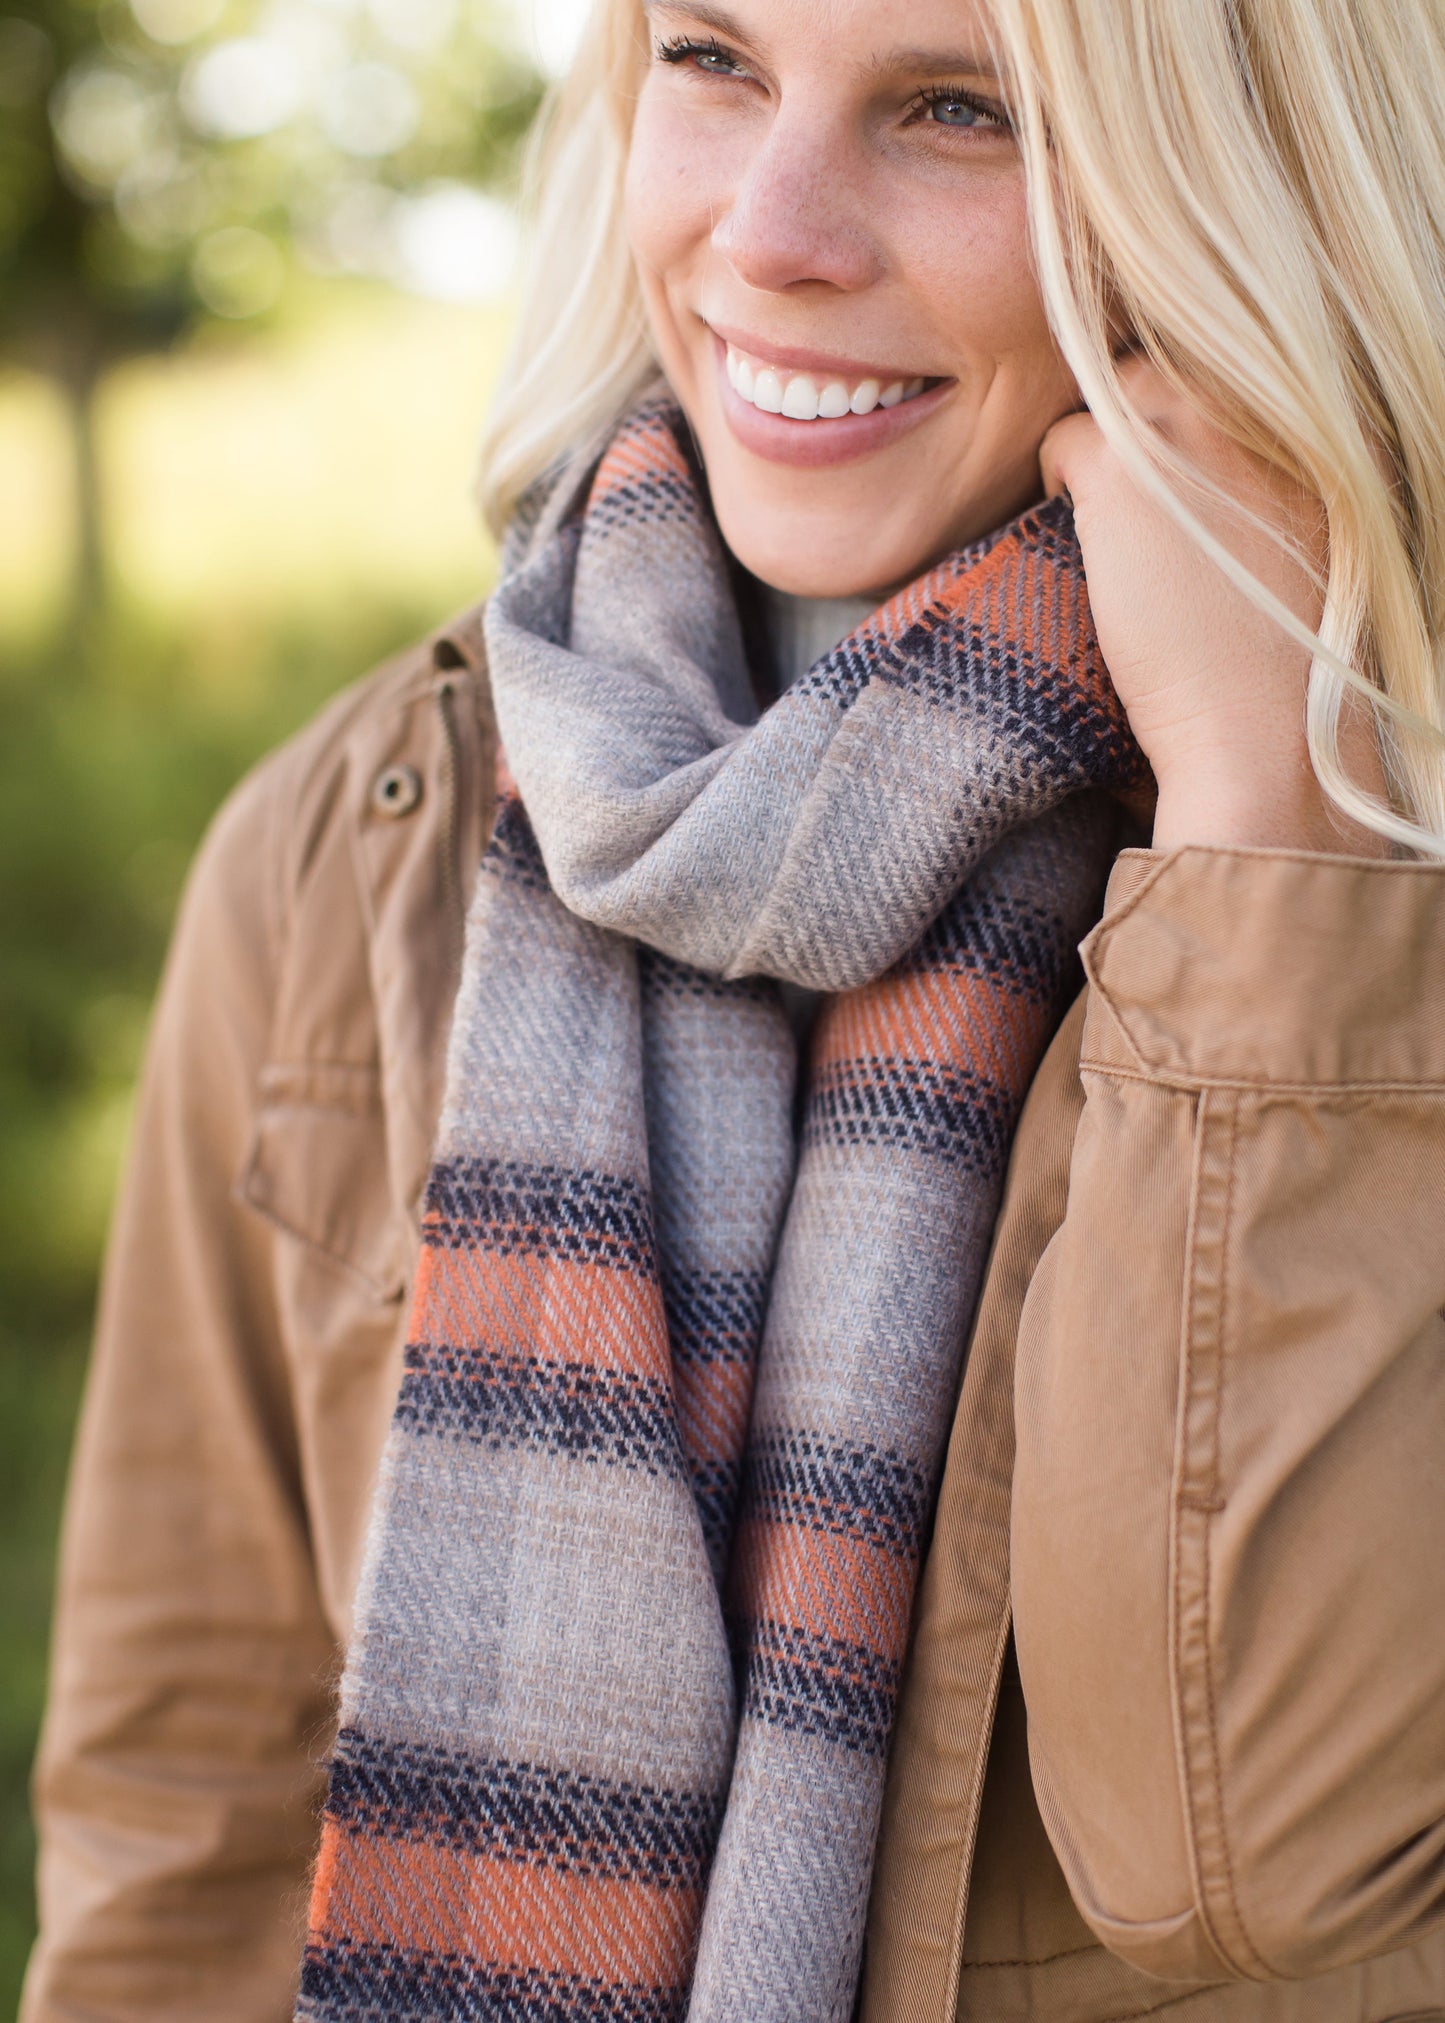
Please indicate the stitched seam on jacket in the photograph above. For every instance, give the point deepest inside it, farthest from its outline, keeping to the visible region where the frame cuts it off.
(1247, 1085)
(1192, 1516)
(975, 1807)
(1184, 1508)
(1046, 1960)
(1220, 1364)
(1191, 1499)
(1170, 2002)
(1214, 1772)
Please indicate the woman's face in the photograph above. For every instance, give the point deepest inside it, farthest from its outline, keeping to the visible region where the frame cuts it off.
(827, 211)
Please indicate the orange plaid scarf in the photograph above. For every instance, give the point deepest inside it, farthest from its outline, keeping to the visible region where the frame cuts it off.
(642, 1562)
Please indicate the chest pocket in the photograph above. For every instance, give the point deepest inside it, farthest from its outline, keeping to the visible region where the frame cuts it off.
(317, 1168)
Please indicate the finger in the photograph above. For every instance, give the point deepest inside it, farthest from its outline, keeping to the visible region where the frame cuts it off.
(1060, 449)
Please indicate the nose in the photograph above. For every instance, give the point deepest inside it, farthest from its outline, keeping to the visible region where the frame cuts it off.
(799, 213)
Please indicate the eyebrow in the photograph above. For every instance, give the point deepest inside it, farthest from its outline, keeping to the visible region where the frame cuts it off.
(933, 62)
(974, 62)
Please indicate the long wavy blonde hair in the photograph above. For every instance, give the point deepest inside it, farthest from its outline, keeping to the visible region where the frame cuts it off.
(1255, 189)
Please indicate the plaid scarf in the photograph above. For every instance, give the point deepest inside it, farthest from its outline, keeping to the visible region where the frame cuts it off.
(686, 1341)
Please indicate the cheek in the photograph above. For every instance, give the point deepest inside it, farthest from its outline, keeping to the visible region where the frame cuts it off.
(973, 269)
(670, 189)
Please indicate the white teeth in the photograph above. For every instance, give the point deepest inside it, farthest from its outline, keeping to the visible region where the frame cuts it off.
(800, 401)
(800, 398)
(768, 392)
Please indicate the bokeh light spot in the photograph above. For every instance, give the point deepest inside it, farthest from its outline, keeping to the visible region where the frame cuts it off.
(369, 109)
(176, 21)
(417, 25)
(454, 244)
(103, 119)
(242, 88)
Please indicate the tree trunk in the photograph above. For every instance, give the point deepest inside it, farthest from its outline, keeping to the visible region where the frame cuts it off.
(89, 576)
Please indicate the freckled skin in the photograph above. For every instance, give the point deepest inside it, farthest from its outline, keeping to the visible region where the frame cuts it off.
(786, 186)
(794, 188)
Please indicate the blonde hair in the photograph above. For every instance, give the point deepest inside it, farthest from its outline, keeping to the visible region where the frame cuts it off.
(1254, 190)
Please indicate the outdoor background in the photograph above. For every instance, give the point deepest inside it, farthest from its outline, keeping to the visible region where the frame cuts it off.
(256, 261)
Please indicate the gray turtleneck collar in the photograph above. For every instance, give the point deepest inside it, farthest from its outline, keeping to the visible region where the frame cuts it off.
(802, 629)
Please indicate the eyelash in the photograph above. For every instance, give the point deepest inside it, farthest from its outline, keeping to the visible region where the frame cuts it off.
(683, 48)
(688, 49)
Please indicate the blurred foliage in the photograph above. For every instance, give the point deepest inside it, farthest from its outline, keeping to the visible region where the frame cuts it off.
(268, 546)
(233, 474)
(167, 161)
(135, 134)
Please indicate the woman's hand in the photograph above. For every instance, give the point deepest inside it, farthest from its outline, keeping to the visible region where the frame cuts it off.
(1215, 690)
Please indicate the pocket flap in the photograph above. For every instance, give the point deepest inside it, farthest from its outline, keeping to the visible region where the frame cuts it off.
(317, 1168)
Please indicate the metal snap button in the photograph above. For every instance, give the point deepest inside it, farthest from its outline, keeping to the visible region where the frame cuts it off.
(396, 791)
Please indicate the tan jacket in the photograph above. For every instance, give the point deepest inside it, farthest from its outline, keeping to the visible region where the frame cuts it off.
(1199, 1458)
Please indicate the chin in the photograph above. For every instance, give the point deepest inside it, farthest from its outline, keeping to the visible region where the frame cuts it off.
(819, 553)
(855, 533)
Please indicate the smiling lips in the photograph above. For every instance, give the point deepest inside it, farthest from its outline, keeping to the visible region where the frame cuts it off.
(809, 396)
(815, 411)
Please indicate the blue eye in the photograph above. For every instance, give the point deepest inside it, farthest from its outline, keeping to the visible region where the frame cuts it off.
(948, 107)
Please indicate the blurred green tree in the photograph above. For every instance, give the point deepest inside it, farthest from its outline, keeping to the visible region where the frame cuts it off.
(169, 161)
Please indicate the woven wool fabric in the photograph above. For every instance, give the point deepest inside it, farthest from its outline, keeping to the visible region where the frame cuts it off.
(641, 1566)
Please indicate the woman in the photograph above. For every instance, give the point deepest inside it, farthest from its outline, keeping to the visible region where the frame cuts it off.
(625, 1697)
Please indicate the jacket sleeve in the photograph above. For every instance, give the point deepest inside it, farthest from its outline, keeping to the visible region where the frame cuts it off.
(1229, 1510)
(175, 1786)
